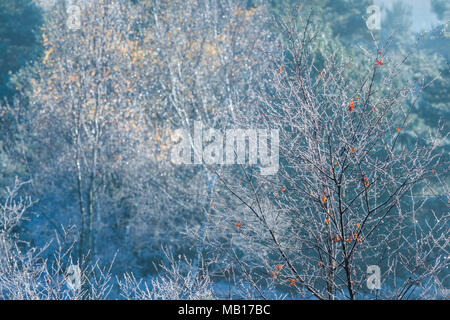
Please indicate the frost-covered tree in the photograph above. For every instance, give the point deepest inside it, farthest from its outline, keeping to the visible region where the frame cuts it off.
(350, 192)
(25, 274)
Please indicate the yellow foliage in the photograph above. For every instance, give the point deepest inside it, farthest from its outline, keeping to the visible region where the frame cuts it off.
(47, 55)
(211, 49)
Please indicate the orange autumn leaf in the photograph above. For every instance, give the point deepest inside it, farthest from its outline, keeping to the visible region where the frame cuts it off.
(379, 59)
(238, 224)
(283, 190)
(324, 199)
(291, 282)
(351, 105)
(352, 149)
(327, 220)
